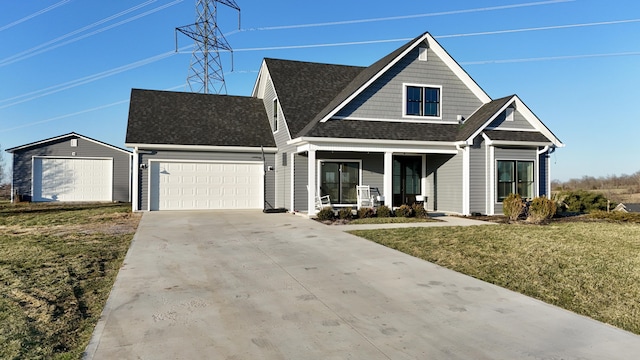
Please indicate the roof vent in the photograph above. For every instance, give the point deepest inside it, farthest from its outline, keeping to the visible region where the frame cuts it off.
(422, 51)
(460, 119)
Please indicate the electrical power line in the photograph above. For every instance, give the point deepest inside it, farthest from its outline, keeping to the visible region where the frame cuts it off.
(55, 43)
(37, 13)
(403, 17)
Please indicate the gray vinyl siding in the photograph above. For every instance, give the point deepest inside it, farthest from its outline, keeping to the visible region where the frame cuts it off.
(384, 98)
(518, 123)
(22, 164)
(478, 177)
(444, 183)
(301, 181)
(143, 186)
(282, 183)
(513, 154)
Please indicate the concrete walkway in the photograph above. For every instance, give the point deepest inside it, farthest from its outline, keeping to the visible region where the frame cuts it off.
(442, 221)
(248, 285)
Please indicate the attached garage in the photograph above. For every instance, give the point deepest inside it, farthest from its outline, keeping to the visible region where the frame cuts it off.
(192, 185)
(70, 168)
(72, 179)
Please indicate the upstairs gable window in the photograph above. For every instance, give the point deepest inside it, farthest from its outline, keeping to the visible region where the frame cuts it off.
(275, 115)
(422, 101)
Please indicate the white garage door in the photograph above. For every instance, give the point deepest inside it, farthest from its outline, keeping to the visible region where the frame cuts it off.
(206, 185)
(73, 179)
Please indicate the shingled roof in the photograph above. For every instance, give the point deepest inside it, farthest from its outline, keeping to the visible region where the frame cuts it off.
(381, 130)
(180, 118)
(305, 88)
(480, 117)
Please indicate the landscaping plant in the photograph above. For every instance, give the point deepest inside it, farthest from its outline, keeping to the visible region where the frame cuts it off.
(404, 211)
(383, 211)
(419, 211)
(345, 213)
(326, 214)
(541, 209)
(513, 207)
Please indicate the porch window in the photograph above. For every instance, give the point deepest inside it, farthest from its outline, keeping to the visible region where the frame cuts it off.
(339, 181)
(422, 101)
(515, 177)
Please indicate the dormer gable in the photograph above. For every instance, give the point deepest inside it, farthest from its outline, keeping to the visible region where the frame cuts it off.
(417, 82)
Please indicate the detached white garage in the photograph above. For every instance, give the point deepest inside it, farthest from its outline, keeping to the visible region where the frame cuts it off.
(72, 179)
(193, 185)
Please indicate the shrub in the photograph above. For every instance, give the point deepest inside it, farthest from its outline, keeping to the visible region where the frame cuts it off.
(616, 216)
(513, 207)
(582, 201)
(404, 211)
(541, 209)
(325, 214)
(366, 212)
(345, 213)
(383, 211)
(419, 210)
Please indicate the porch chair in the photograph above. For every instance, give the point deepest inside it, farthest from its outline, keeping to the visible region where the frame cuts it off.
(364, 196)
(322, 201)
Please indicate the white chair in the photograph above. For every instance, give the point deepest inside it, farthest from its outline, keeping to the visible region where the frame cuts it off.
(321, 201)
(364, 196)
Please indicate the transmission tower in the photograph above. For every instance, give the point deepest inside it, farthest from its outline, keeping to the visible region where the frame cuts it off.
(205, 69)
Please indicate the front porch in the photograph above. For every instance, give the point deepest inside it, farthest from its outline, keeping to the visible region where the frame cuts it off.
(399, 177)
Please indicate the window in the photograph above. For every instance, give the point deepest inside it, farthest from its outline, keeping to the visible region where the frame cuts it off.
(515, 177)
(422, 101)
(338, 179)
(275, 115)
(508, 114)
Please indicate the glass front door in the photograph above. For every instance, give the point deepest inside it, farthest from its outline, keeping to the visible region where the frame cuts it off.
(407, 173)
(339, 181)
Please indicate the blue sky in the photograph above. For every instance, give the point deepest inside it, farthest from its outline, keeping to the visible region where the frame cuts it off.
(69, 66)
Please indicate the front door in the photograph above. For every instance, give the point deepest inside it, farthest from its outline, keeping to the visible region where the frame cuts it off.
(339, 181)
(407, 172)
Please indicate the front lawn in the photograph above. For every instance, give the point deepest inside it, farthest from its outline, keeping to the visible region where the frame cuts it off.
(57, 266)
(591, 268)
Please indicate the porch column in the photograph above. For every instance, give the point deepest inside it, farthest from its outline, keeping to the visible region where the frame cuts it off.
(388, 179)
(311, 198)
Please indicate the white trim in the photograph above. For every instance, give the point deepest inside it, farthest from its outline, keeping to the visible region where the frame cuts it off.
(374, 142)
(11, 150)
(74, 157)
(490, 120)
(518, 143)
(201, 148)
(465, 180)
(293, 184)
(420, 117)
(491, 180)
(135, 180)
(388, 179)
(374, 149)
(406, 119)
(423, 179)
(499, 128)
(311, 179)
(149, 180)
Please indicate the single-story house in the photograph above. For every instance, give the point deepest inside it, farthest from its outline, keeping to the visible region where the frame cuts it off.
(70, 167)
(628, 208)
(413, 125)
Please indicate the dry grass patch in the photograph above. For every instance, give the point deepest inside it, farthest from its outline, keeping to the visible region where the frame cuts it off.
(591, 268)
(57, 266)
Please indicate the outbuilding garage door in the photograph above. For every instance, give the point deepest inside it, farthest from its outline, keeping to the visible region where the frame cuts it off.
(206, 185)
(72, 179)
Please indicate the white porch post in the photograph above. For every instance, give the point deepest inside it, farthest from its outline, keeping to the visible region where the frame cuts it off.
(388, 179)
(311, 199)
(135, 181)
(465, 181)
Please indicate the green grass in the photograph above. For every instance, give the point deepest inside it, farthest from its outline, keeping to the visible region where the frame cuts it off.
(591, 268)
(57, 266)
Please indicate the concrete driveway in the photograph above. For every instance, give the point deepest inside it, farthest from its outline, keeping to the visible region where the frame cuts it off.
(248, 285)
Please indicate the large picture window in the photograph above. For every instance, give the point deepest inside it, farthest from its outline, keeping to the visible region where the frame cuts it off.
(338, 180)
(422, 101)
(515, 177)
